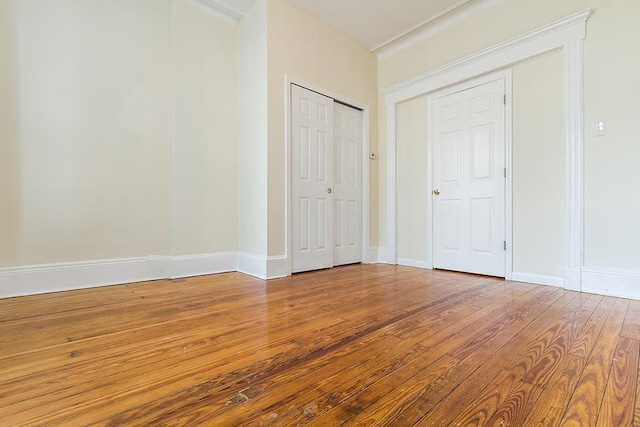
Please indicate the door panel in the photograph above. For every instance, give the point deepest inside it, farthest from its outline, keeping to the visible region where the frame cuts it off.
(347, 200)
(451, 225)
(481, 149)
(468, 157)
(451, 157)
(312, 176)
(481, 225)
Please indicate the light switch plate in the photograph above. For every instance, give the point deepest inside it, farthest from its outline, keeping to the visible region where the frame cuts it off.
(599, 128)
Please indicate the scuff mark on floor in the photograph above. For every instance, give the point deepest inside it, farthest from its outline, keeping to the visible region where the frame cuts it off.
(239, 397)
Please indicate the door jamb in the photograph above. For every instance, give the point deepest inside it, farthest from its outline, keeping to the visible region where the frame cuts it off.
(289, 80)
(508, 201)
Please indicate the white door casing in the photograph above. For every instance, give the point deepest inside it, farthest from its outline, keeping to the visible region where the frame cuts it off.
(347, 216)
(566, 34)
(468, 179)
(311, 180)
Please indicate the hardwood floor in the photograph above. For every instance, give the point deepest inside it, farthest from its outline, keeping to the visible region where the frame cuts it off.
(370, 345)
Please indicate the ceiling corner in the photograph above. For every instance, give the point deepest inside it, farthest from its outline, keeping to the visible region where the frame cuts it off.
(218, 9)
(432, 27)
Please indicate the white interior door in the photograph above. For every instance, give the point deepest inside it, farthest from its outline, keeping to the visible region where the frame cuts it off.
(326, 182)
(347, 185)
(312, 178)
(468, 160)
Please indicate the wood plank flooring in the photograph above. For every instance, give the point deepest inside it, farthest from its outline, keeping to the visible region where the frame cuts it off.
(355, 345)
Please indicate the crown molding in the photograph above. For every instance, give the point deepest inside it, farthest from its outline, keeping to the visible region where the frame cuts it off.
(555, 35)
(429, 28)
(419, 25)
(217, 9)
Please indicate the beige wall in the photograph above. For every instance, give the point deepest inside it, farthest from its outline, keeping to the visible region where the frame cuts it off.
(205, 150)
(93, 167)
(252, 131)
(149, 128)
(412, 179)
(10, 170)
(538, 167)
(303, 47)
(91, 118)
(611, 209)
(86, 123)
(612, 67)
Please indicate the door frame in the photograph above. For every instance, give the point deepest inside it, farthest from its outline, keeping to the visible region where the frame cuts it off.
(504, 75)
(289, 80)
(565, 35)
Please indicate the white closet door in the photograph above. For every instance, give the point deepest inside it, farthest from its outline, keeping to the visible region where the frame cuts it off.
(312, 118)
(347, 202)
(468, 180)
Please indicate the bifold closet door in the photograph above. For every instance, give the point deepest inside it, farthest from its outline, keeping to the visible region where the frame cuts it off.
(347, 202)
(311, 180)
(326, 182)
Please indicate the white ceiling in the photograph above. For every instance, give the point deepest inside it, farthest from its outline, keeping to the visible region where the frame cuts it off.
(373, 23)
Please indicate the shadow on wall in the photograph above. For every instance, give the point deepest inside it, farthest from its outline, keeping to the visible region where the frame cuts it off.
(10, 159)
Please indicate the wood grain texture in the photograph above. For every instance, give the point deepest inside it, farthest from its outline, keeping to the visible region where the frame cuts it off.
(631, 326)
(591, 386)
(619, 397)
(553, 399)
(355, 345)
(586, 339)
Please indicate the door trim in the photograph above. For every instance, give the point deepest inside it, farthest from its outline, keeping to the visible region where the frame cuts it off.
(508, 141)
(289, 80)
(566, 35)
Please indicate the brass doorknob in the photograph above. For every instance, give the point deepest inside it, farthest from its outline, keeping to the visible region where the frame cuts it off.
(436, 192)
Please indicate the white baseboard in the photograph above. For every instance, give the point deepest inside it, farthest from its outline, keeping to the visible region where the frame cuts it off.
(203, 264)
(277, 266)
(538, 279)
(253, 265)
(263, 267)
(373, 255)
(572, 280)
(613, 282)
(415, 263)
(386, 256)
(46, 278)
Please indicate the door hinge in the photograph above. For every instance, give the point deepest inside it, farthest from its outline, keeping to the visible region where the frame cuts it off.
(505, 245)
(504, 99)
(505, 172)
